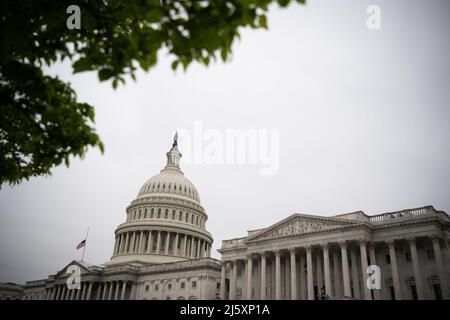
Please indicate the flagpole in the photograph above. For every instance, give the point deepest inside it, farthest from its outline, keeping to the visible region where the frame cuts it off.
(85, 244)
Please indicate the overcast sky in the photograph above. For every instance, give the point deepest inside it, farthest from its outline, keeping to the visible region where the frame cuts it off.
(363, 117)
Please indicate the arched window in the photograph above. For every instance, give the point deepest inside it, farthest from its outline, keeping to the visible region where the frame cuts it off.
(186, 217)
(192, 219)
(159, 213)
(173, 214)
(151, 213)
(180, 215)
(166, 214)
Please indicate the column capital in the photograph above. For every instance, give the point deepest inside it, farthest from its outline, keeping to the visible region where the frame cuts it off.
(412, 241)
(277, 252)
(324, 245)
(262, 253)
(250, 255)
(308, 248)
(390, 242)
(292, 249)
(362, 241)
(435, 238)
(342, 244)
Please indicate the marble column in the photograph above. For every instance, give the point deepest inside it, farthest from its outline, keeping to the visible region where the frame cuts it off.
(249, 277)
(105, 289)
(309, 273)
(326, 267)
(303, 288)
(133, 240)
(355, 278)
(183, 251)
(440, 266)
(175, 245)
(345, 269)
(158, 242)
(319, 273)
(337, 276)
(116, 292)
(364, 265)
(222, 281)
(83, 291)
(373, 261)
(124, 288)
(198, 255)
(192, 248)
(263, 276)
(141, 242)
(166, 249)
(416, 269)
(277, 275)
(233, 283)
(293, 274)
(89, 292)
(111, 290)
(150, 242)
(99, 291)
(58, 291)
(394, 269)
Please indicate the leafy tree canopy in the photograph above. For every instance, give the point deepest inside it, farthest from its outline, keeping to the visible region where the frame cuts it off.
(41, 122)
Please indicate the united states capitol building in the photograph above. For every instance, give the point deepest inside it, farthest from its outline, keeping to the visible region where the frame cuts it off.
(162, 251)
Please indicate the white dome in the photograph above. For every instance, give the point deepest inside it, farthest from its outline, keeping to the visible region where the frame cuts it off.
(170, 181)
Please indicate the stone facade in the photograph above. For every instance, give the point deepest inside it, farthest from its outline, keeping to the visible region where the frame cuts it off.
(10, 291)
(161, 251)
(316, 257)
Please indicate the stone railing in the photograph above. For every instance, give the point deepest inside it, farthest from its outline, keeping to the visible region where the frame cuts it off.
(174, 266)
(232, 243)
(408, 214)
(126, 268)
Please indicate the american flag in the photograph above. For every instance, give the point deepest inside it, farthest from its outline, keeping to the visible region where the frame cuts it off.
(81, 244)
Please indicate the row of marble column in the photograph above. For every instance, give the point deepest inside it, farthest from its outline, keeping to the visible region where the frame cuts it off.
(111, 290)
(162, 242)
(342, 278)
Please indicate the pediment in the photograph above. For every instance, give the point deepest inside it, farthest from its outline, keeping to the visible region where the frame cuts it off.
(83, 269)
(299, 224)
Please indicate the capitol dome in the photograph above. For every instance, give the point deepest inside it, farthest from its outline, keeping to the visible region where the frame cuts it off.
(166, 222)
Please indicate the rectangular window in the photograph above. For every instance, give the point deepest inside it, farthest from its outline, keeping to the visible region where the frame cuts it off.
(156, 287)
(194, 284)
(147, 288)
(182, 285)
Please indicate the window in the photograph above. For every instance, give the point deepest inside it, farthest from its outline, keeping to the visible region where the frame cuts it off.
(180, 215)
(194, 284)
(147, 288)
(173, 214)
(156, 287)
(169, 286)
(159, 213)
(166, 214)
(430, 254)
(182, 285)
(408, 256)
(388, 259)
(151, 213)
(218, 285)
(186, 217)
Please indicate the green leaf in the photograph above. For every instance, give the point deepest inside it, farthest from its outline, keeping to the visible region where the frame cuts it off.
(263, 21)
